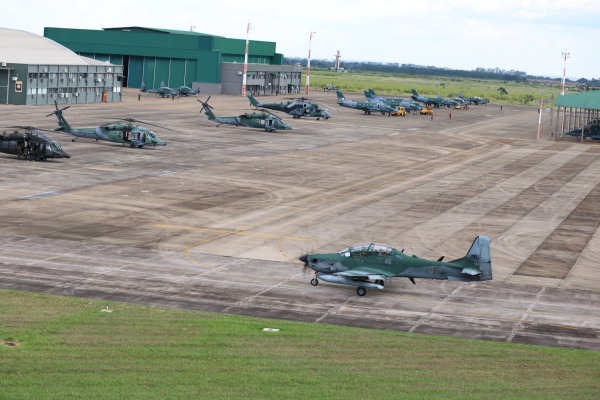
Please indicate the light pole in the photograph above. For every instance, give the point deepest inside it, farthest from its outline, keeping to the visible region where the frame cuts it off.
(565, 56)
(245, 61)
(540, 120)
(308, 63)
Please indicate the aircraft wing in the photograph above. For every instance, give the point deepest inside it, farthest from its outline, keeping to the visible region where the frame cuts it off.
(365, 274)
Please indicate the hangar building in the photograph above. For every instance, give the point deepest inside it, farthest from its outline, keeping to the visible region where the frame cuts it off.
(213, 64)
(36, 70)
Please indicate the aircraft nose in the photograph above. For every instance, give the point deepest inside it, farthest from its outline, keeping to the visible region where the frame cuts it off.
(303, 258)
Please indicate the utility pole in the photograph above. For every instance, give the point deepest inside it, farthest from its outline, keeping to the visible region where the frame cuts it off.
(308, 64)
(245, 61)
(565, 56)
(541, 111)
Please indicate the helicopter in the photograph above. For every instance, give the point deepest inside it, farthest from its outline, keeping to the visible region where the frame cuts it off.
(123, 131)
(264, 120)
(30, 145)
(300, 107)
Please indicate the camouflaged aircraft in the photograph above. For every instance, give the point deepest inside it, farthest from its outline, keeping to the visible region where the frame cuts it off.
(297, 108)
(369, 265)
(263, 120)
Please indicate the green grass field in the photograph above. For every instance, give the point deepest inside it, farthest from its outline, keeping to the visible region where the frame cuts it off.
(55, 347)
(401, 85)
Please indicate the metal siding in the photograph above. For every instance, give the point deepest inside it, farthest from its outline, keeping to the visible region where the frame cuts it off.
(586, 100)
(150, 74)
(162, 71)
(191, 68)
(135, 72)
(177, 73)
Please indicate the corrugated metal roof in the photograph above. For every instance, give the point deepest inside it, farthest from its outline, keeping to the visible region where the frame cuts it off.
(157, 30)
(20, 47)
(587, 100)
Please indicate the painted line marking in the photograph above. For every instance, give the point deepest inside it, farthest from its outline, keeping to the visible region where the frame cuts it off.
(41, 195)
(163, 173)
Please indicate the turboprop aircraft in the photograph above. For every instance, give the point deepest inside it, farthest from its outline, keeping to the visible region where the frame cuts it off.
(366, 106)
(393, 101)
(471, 100)
(369, 265)
(433, 101)
(297, 108)
(124, 131)
(264, 120)
(162, 91)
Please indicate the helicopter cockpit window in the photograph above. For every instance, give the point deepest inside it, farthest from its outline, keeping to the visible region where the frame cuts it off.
(151, 135)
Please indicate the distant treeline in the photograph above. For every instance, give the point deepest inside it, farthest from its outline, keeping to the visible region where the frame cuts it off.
(412, 69)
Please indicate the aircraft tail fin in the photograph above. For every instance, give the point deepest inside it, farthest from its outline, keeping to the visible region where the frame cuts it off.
(369, 94)
(478, 256)
(415, 93)
(340, 96)
(62, 122)
(207, 109)
(253, 101)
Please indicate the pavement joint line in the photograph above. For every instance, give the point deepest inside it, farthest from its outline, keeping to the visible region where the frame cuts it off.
(334, 310)
(426, 317)
(239, 231)
(254, 296)
(518, 325)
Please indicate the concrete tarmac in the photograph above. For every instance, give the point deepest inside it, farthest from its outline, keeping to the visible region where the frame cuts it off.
(217, 219)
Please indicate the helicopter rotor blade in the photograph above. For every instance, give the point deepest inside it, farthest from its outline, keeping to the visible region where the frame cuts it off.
(131, 121)
(205, 103)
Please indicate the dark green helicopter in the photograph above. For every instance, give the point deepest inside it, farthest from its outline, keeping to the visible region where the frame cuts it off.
(30, 145)
(263, 120)
(124, 131)
(297, 108)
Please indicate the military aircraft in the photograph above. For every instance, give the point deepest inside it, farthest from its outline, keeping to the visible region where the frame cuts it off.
(472, 100)
(329, 87)
(366, 106)
(264, 120)
(297, 108)
(369, 265)
(187, 91)
(163, 90)
(123, 131)
(433, 101)
(392, 101)
(30, 145)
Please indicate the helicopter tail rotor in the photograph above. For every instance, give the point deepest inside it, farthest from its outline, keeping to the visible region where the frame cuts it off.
(57, 111)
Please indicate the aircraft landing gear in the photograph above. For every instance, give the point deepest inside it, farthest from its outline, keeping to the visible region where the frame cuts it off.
(314, 281)
(361, 291)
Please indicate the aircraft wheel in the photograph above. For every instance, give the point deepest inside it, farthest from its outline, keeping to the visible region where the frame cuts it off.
(361, 291)
(72, 140)
(314, 281)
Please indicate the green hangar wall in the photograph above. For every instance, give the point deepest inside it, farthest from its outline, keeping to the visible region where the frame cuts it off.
(153, 56)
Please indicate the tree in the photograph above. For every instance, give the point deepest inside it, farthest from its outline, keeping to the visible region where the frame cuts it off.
(501, 90)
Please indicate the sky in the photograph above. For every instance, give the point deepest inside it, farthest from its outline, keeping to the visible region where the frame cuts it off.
(524, 35)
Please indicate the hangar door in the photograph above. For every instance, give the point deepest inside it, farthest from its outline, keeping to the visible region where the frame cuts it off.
(4, 83)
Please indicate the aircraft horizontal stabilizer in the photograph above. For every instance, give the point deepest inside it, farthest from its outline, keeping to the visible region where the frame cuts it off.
(471, 271)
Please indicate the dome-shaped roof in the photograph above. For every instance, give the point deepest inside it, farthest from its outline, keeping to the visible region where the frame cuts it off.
(20, 47)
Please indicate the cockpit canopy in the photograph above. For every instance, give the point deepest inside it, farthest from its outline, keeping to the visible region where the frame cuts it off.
(367, 249)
